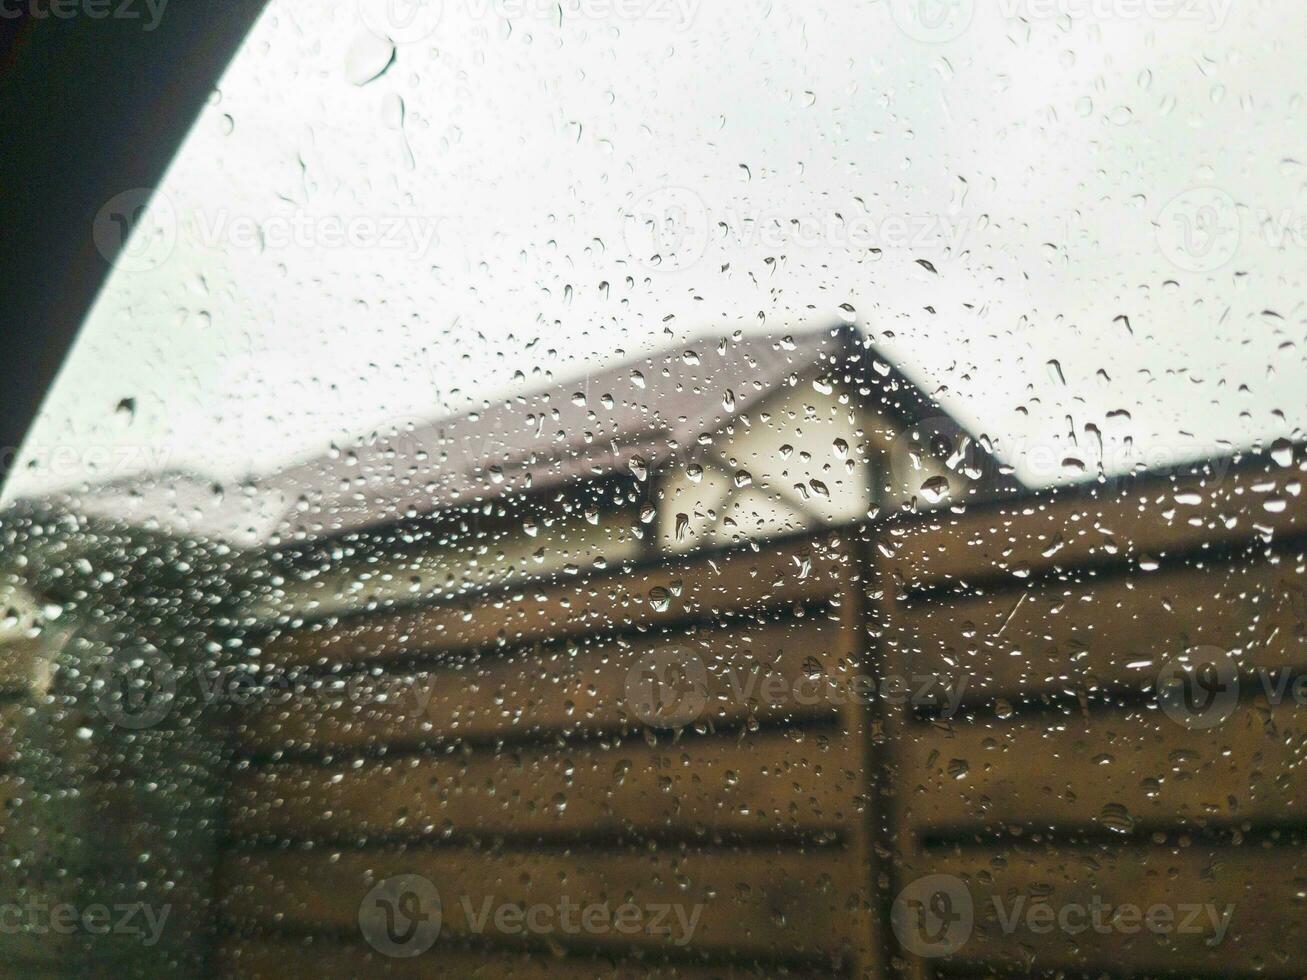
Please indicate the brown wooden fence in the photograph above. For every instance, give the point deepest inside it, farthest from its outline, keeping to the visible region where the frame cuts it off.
(914, 745)
(1069, 777)
(496, 750)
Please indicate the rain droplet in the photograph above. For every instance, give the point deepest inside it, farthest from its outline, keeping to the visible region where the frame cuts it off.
(368, 58)
(1115, 817)
(935, 489)
(1282, 452)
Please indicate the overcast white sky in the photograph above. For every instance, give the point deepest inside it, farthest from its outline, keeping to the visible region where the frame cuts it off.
(1060, 164)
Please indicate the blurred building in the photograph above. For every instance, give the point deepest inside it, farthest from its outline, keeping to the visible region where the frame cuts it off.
(716, 442)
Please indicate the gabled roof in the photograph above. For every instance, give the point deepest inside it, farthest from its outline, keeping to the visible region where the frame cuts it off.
(632, 416)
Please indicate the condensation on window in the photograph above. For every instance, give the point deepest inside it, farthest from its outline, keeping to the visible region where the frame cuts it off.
(649, 488)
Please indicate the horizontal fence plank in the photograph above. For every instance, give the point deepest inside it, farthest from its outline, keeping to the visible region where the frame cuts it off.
(1117, 632)
(781, 783)
(1034, 908)
(594, 685)
(289, 959)
(1150, 518)
(1114, 771)
(795, 572)
(747, 903)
